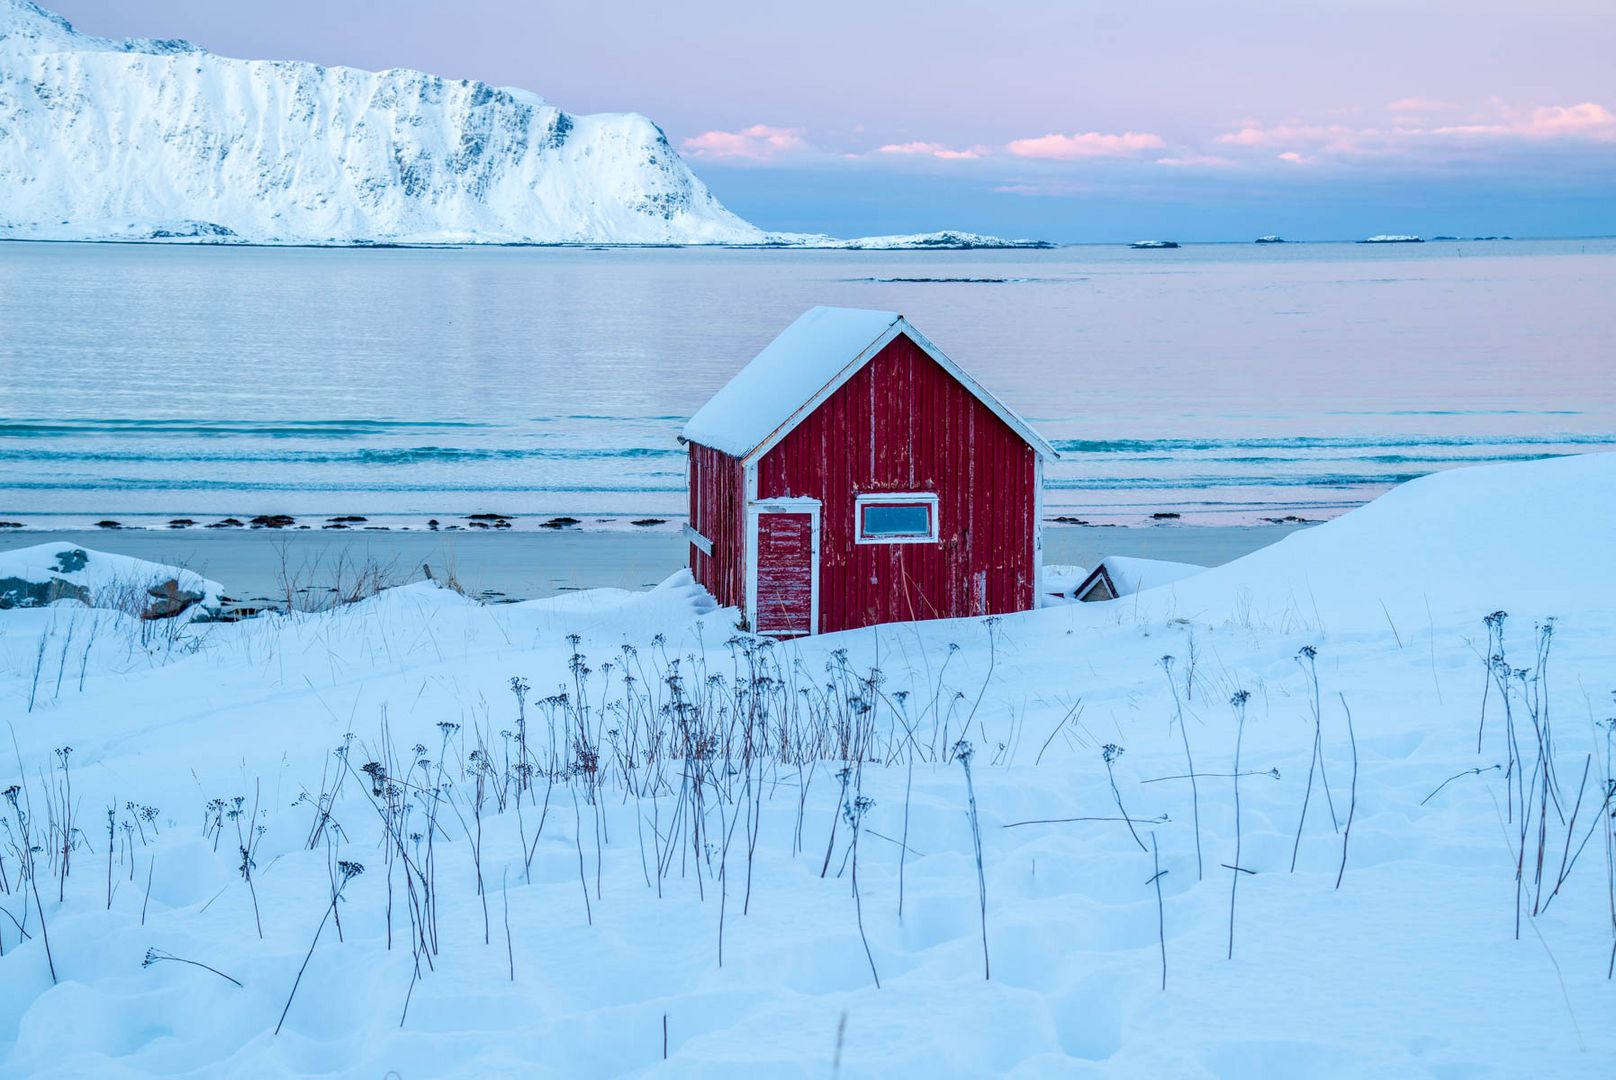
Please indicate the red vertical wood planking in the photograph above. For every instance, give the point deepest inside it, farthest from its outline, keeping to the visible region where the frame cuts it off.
(785, 552)
(718, 512)
(903, 424)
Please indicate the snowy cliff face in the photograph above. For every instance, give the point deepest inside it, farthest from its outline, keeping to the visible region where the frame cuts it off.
(147, 139)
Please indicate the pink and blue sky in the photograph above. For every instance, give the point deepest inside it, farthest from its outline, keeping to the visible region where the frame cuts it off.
(1074, 121)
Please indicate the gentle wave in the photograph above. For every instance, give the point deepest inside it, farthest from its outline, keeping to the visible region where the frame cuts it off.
(67, 427)
(270, 429)
(1195, 483)
(1453, 412)
(1321, 442)
(413, 455)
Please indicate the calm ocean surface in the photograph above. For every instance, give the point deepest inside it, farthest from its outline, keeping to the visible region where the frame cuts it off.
(1225, 382)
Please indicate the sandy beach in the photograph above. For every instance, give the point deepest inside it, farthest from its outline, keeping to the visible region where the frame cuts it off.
(535, 564)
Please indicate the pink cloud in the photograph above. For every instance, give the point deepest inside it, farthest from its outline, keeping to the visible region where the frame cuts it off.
(1333, 136)
(1196, 161)
(1246, 136)
(932, 149)
(1586, 120)
(1413, 138)
(1091, 144)
(760, 142)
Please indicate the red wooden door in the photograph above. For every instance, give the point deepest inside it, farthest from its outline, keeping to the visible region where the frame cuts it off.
(787, 558)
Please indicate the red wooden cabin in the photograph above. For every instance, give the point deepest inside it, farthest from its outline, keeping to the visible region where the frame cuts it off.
(852, 474)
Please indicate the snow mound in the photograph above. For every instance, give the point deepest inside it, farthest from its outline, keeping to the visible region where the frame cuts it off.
(1057, 580)
(45, 573)
(676, 603)
(1535, 536)
(1130, 574)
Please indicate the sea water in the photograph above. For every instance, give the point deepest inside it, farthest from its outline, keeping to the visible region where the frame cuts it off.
(1225, 383)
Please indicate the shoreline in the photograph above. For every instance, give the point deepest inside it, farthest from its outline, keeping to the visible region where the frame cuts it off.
(278, 522)
(502, 565)
(1149, 515)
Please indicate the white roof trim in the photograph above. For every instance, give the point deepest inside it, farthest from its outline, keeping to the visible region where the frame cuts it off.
(905, 327)
(899, 325)
(983, 394)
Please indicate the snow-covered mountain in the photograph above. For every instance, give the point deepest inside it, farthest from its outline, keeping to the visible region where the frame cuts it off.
(161, 140)
(148, 138)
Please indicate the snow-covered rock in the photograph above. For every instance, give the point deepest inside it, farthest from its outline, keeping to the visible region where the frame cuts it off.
(48, 573)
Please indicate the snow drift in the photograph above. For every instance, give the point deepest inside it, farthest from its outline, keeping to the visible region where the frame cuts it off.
(1520, 535)
(536, 767)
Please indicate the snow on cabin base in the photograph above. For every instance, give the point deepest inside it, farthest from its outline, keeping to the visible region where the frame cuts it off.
(1411, 967)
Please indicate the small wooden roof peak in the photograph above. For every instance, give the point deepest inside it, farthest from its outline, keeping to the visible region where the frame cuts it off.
(810, 360)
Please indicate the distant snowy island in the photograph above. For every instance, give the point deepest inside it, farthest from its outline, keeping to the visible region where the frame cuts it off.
(160, 140)
(945, 240)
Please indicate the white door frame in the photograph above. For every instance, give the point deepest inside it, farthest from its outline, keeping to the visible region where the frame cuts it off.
(794, 505)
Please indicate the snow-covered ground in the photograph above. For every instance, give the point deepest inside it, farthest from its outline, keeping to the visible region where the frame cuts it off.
(676, 859)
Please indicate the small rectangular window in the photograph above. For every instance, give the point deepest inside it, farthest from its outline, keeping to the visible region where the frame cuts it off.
(906, 518)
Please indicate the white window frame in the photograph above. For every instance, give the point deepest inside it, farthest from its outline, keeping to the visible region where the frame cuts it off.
(882, 498)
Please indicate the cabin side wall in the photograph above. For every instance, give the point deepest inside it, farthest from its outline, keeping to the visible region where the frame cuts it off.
(903, 424)
(718, 511)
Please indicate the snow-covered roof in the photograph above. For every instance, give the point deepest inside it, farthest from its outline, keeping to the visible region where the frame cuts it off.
(807, 363)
